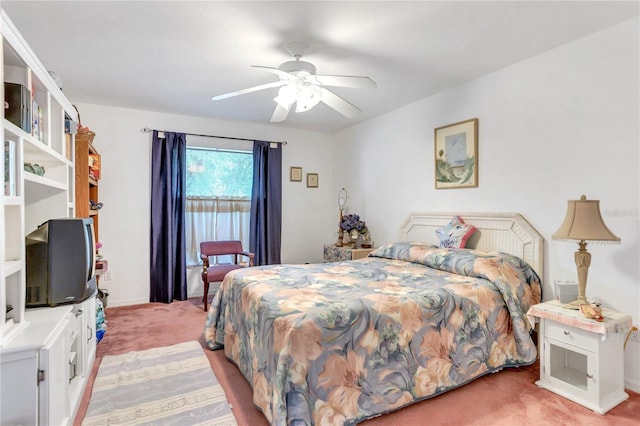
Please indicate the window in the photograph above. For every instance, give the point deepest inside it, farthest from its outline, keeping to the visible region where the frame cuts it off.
(219, 173)
(218, 202)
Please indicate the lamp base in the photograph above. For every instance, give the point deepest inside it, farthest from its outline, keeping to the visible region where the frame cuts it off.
(575, 305)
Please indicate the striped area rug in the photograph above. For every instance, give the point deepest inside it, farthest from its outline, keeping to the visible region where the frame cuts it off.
(171, 385)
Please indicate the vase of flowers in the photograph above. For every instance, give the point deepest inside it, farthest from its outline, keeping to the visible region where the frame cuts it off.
(352, 227)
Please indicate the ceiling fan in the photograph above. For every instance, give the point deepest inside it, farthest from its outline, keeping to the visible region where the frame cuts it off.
(300, 84)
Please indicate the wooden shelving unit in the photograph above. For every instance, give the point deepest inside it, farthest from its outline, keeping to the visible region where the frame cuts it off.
(86, 185)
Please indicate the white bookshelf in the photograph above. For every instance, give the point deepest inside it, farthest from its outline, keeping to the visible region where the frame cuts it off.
(35, 198)
(37, 346)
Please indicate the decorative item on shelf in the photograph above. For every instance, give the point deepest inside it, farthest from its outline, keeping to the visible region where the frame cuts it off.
(37, 122)
(583, 222)
(10, 173)
(84, 133)
(94, 206)
(342, 201)
(349, 224)
(36, 169)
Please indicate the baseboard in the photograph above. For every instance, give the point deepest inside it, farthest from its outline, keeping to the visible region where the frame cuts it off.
(631, 384)
(115, 303)
(198, 293)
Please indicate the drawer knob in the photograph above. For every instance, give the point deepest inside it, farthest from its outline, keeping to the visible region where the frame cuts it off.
(590, 376)
(566, 333)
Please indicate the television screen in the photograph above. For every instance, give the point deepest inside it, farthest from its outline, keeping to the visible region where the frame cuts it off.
(60, 262)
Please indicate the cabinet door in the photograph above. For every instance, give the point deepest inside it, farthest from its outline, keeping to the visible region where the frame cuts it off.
(571, 372)
(18, 390)
(54, 389)
(89, 333)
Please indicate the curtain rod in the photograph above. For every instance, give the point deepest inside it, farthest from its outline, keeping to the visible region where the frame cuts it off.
(148, 130)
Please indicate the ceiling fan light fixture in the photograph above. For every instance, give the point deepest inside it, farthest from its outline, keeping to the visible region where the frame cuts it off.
(298, 66)
(308, 96)
(286, 96)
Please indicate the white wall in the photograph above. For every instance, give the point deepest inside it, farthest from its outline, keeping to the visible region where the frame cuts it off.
(551, 128)
(125, 191)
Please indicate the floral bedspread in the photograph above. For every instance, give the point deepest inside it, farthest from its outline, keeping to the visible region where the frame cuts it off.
(337, 343)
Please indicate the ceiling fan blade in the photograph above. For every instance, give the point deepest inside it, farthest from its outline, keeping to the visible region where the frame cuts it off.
(346, 81)
(249, 90)
(336, 102)
(280, 113)
(282, 74)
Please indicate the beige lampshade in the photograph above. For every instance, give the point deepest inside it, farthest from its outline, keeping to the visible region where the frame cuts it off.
(584, 222)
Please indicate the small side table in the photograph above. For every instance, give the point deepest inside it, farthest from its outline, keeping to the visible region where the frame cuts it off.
(582, 359)
(336, 254)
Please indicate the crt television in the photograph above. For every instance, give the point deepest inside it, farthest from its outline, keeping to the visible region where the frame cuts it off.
(61, 262)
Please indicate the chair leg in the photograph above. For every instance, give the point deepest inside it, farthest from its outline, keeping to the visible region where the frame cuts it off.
(205, 297)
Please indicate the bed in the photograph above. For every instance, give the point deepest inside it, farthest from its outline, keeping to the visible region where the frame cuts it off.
(338, 343)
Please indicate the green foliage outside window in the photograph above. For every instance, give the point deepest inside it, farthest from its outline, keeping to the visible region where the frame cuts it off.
(215, 173)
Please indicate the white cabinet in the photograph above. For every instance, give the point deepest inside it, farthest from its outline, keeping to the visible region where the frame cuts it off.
(53, 391)
(46, 367)
(19, 373)
(582, 359)
(82, 349)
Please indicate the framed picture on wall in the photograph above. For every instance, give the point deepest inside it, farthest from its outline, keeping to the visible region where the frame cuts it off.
(456, 155)
(295, 174)
(312, 180)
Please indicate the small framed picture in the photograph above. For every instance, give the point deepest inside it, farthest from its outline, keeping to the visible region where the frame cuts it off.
(312, 180)
(295, 174)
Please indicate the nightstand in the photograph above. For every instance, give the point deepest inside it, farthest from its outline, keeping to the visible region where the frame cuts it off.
(336, 254)
(582, 359)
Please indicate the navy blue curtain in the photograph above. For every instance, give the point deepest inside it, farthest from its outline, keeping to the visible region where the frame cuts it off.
(168, 270)
(266, 203)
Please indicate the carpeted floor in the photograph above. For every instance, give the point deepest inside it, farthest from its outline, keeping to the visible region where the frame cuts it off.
(507, 398)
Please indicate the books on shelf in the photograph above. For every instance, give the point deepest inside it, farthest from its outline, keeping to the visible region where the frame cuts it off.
(94, 166)
(10, 168)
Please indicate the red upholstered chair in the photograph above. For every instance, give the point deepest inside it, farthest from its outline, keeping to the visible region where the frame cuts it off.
(216, 272)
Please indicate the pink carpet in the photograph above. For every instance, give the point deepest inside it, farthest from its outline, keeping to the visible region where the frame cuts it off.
(509, 397)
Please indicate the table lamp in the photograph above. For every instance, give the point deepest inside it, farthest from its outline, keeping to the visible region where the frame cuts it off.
(583, 222)
(342, 201)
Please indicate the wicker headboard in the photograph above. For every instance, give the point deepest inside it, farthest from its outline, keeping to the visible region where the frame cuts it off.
(504, 232)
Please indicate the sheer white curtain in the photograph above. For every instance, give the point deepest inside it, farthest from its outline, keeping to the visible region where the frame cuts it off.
(215, 218)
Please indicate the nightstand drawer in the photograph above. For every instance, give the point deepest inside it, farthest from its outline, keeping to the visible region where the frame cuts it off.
(571, 335)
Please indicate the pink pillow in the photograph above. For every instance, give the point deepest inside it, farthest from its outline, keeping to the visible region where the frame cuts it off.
(455, 234)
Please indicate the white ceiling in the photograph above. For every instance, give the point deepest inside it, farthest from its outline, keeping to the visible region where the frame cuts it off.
(173, 56)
